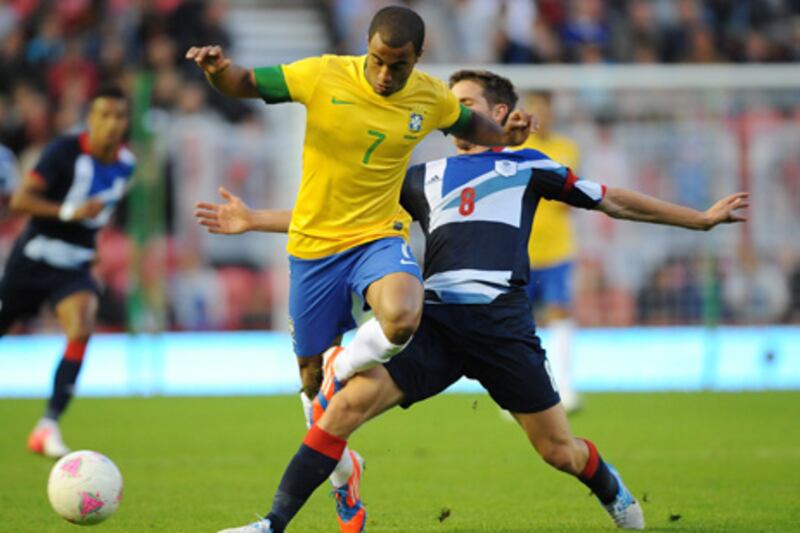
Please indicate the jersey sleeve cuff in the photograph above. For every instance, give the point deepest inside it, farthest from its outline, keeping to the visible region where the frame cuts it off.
(461, 123)
(271, 84)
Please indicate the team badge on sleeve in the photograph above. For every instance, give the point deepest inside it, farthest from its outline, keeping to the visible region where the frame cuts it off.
(415, 122)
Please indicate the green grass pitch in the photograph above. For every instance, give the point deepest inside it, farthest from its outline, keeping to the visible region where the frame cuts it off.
(698, 462)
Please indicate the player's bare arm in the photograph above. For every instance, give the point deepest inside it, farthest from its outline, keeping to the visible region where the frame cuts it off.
(630, 205)
(485, 132)
(222, 74)
(234, 217)
(29, 200)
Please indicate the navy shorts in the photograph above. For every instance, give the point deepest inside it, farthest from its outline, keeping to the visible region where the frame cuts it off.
(321, 290)
(27, 284)
(495, 344)
(551, 285)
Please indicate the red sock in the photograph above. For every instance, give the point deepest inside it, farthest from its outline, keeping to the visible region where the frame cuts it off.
(323, 442)
(75, 351)
(597, 476)
(592, 463)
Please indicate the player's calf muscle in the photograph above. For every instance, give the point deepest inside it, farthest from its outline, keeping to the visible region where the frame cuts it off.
(365, 397)
(344, 415)
(397, 301)
(561, 457)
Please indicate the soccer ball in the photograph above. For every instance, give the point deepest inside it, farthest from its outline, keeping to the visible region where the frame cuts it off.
(85, 487)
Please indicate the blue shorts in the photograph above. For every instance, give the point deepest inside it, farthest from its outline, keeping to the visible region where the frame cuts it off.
(551, 285)
(321, 290)
(495, 344)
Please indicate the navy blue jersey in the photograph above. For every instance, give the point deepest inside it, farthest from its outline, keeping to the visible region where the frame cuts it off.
(477, 212)
(71, 174)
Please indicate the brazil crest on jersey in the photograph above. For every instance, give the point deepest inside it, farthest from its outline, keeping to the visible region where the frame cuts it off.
(477, 211)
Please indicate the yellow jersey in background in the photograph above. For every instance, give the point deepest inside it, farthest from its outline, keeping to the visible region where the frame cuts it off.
(552, 229)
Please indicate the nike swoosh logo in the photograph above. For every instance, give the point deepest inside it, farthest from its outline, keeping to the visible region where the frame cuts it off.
(336, 101)
(407, 262)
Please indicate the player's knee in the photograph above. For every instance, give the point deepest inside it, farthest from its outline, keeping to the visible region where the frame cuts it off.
(399, 333)
(400, 322)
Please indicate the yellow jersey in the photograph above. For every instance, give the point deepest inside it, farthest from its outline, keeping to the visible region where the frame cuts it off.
(551, 239)
(356, 149)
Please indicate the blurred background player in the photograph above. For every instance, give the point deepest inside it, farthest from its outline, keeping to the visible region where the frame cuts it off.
(553, 256)
(365, 115)
(70, 194)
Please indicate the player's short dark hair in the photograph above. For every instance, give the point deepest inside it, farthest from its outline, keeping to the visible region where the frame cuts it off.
(496, 88)
(398, 25)
(110, 91)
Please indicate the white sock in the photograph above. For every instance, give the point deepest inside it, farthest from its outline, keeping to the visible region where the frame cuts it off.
(560, 356)
(46, 422)
(307, 410)
(343, 470)
(369, 348)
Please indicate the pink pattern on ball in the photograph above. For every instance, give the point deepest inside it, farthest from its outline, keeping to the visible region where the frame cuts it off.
(71, 467)
(90, 503)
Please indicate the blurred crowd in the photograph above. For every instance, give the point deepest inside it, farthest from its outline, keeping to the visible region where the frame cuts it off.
(743, 275)
(190, 140)
(591, 31)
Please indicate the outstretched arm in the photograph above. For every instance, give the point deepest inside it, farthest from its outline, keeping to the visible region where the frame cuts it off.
(222, 74)
(235, 217)
(630, 205)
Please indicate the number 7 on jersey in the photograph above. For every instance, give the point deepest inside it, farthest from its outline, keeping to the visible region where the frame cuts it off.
(380, 138)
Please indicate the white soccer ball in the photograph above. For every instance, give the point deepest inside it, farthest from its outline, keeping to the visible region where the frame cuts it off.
(85, 487)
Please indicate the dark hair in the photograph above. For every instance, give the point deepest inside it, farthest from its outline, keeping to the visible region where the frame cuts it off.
(496, 88)
(398, 25)
(110, 91)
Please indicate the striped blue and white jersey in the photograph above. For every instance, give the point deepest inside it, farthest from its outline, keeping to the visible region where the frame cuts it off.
(71, 174)
(476, 212)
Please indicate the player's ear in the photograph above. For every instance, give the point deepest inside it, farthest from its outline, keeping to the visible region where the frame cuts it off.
(415, 53)
(500, 113)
